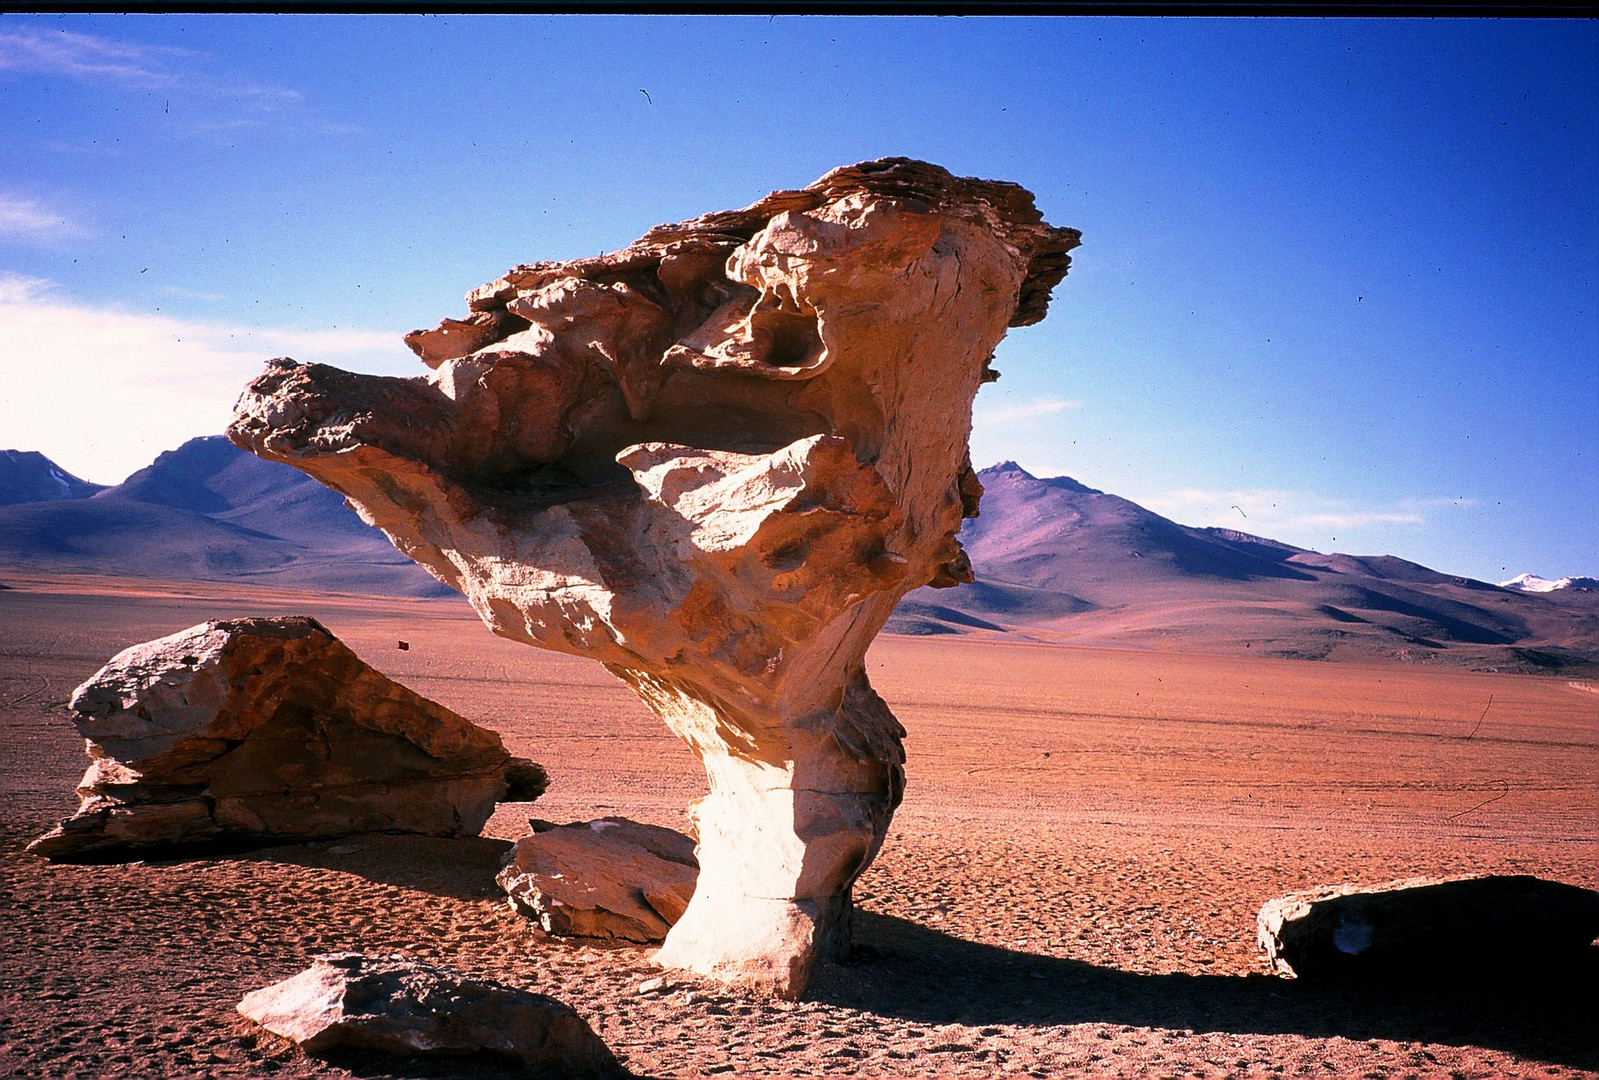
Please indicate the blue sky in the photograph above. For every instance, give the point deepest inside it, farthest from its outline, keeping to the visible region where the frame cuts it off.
(1337, 283)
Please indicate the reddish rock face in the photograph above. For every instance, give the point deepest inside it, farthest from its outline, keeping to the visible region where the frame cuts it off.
(713, 461)
(262, 730)
(612, 879)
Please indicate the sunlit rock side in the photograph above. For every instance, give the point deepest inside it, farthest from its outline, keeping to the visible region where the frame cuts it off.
(613, 879)
(253, 731)
(712, 461)
(410, 1008)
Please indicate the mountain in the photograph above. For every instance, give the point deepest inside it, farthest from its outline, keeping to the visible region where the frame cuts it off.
(1536, 584)
(1056, 561)
(29, 476)
(209, 511)
(1062, 562)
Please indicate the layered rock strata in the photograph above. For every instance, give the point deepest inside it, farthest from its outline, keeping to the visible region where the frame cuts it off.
(712, 461)
(403, 1006)
(613, 879)
(269, 730)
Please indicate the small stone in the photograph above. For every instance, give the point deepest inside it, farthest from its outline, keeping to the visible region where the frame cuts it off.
(1422, 924)
(403, 1006)
(651, 986)
(612, 878)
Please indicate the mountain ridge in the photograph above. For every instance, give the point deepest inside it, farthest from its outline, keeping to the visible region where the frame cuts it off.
(208, 511)
(29, 476)
(1057, 561)
(1070, 564)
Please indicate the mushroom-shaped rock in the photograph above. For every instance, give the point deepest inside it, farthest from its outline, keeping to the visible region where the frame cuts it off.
(269, 730)
(712, 461)
(399, 1005)
(613, 878)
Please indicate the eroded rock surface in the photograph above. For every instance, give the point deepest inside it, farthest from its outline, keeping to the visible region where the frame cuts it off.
(1421, 924)
(712, 461)
(612, 878)
(403, 1006)
(254, 730)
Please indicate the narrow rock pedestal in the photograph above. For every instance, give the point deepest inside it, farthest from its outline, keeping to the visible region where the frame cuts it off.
(713, 461)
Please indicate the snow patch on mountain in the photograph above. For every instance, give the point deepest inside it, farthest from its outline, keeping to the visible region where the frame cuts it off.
(1534, 583)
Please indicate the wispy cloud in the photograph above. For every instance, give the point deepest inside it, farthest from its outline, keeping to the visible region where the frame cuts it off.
(229, 104)
(102, 390)
(1273, 511)
(1031, 410)
(30, 221)
(183, 293)
(86, 57)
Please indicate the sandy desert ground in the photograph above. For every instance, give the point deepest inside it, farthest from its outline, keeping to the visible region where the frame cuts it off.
(1069, 889)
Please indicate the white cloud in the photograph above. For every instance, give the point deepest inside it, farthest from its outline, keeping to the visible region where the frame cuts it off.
(184, 293)
(229, 105)
(29, 221)
(1273, 512)
(101, 390)
(1031, 410)
(83, 56)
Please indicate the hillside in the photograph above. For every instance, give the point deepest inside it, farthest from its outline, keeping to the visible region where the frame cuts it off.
(29, 476)
(208, 511)
(1058, 561)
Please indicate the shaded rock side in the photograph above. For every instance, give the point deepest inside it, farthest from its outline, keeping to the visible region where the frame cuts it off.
(260, 730)
(713, 461)
(398, 1005)
(1418, 923)
(612, 878)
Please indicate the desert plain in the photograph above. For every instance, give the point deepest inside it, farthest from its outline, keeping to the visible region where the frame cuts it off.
(1069, 888)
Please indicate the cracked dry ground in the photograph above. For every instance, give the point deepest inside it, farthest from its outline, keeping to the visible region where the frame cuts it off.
(1069, 889)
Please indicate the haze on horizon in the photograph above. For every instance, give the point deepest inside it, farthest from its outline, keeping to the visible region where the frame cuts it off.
(1337, 283)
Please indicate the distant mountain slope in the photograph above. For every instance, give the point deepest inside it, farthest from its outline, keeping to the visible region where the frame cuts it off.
(1056, 562)
(29, 476)
(1059, 561)
(209, 511)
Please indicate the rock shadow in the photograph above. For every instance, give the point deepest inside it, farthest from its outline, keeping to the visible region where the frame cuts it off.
(460, 868)
(915, 973)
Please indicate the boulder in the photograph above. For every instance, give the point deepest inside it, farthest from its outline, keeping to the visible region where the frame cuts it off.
(1425, 923)
(270, 730)
(613, 878)
(712, 461)
(403, 1006)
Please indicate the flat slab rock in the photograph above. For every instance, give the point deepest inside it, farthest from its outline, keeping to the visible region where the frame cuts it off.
(269, 730)
(1421, 923)
(612, 878)
(399, 1005)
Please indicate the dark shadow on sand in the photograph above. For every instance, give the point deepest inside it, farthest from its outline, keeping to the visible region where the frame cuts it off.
(461, 868)
(1544, 1014)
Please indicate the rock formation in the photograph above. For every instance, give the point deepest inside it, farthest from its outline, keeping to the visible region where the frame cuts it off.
(403, 1006)
(612, 878)
(258, 730)
(712, 461)
(1420, 924)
